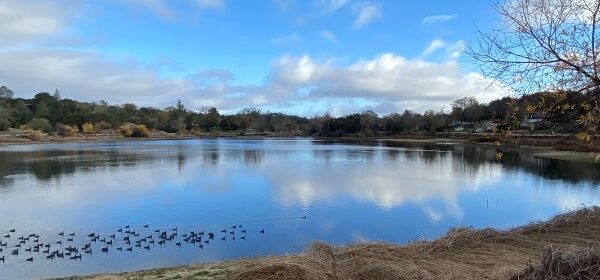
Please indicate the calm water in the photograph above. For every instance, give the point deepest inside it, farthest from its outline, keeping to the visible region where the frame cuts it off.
(347, 192)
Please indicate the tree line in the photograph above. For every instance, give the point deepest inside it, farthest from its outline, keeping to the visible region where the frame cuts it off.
(50, 113)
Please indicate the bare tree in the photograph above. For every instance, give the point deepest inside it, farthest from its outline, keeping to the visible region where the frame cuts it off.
(550, 46)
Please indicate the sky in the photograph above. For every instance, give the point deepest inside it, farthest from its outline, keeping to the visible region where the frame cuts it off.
(303, 57)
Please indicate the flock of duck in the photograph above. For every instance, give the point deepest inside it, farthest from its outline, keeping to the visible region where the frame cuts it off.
(62, 245)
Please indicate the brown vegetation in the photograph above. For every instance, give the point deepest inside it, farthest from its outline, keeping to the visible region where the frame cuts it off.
(565, 247)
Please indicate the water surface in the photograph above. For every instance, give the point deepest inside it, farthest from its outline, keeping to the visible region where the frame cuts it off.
(296, 190)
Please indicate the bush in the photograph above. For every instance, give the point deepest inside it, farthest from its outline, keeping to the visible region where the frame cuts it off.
(133, 130)
(126, 129)
(34, 135)
(102, 125)
(141, 131)
(40, 124)
(88, 128)
(66, 130)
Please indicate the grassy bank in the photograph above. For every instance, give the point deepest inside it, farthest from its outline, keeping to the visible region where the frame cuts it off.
(564, 247)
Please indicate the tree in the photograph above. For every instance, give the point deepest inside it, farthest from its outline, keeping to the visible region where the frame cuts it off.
(5, 116)
(548, 45)
(6, 93)
(461, 106)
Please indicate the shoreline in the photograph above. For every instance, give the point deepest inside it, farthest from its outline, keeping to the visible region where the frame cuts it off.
(463, 253)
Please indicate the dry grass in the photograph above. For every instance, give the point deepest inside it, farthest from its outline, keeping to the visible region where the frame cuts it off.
(463, 253)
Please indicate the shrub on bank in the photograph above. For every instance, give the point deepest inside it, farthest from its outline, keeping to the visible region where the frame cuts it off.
(35, 135)
(103, 125)
(39, 124)
(88, 128)
(66, 130)
(133, 130)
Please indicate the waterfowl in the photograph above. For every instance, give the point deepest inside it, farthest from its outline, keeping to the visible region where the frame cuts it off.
(2, 258)
(129, 249)
(147, 247)
(243, 231)
(243, 238)
(262, 231)
(120, 230)
(30, 259)
(12, 230)
(76, 257)
(46, 252)
(109, 242)
(15, 252)
(7, 236)
(211, 235)
(120, 249)
(62, 233)
(59, 242)
(70, 239)
(178, 243)
(105, 249)
(146, 225)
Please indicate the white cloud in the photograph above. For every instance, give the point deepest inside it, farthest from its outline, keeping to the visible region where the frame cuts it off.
(365, 13)
(33, 19)
(437, 19)
(435, 45)
(391, 81)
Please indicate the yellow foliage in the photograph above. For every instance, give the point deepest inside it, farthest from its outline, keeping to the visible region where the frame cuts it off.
(499, 155)
(583, 136)
(88, 128)
(141, 131)
(66, 130)
(132, 130)
(126, 130)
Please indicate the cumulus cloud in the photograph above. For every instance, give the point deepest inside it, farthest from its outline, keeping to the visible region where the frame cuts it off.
(386, 83)
(437, 19)
(365, 13)
(389, 80)
(302, 85)
(31, 19)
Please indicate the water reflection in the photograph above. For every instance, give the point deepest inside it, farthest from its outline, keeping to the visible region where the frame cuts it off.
(376, 190)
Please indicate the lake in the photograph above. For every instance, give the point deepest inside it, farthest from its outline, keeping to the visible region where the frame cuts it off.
(279, 194)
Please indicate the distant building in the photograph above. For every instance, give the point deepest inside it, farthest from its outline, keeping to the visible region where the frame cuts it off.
(532, 124)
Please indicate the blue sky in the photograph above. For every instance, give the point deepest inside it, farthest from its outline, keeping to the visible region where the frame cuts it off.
(302, 57)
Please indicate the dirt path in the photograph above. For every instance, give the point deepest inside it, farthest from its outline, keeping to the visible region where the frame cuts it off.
(461, 254)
